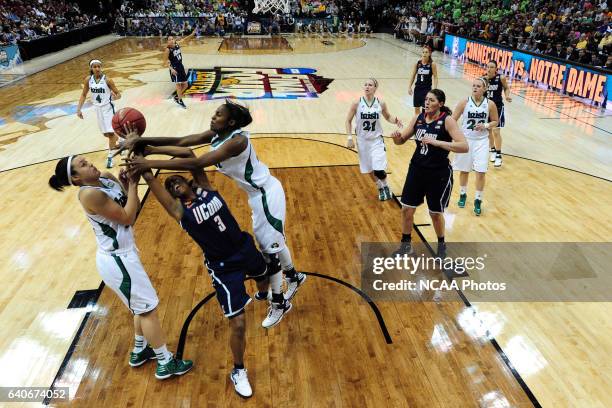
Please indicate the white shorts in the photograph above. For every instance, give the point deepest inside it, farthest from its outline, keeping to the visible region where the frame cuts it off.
(123, 273)
(372, 154)
(268, 211)
(105, 117)
(477, 158)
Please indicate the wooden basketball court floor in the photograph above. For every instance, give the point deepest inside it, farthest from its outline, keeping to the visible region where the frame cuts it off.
(331, 349)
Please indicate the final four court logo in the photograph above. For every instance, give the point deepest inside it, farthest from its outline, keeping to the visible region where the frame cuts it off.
(255, 83)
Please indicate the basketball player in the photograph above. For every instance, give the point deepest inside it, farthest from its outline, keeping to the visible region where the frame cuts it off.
(371, 145)
(478, 115)
(234, 155)
(429, 174)
(426, 72)
(111, 212)
(174, 58)
(497, 82)
(230, 253)
(103, 92)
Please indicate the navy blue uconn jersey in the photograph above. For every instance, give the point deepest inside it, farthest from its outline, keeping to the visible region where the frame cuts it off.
(212, 226)
(494, 92)
(175, 57)
(427, 155)
(424, 75)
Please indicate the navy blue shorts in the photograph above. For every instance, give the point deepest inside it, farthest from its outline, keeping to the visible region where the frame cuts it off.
(435, 185)
(181, 75)
(228, 277)
(418, 98)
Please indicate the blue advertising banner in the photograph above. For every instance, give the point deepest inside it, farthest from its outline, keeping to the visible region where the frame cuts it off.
(9, 57)
(575, 80)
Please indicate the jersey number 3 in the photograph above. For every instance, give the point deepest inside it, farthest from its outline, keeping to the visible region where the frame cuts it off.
(220, 223)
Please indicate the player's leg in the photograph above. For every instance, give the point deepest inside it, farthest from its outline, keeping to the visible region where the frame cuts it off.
(125, 275)
(279, 306)
(492, 151)
(269, 214)
(412, 196)
(238, 345)
(480, 164)
(233, 298)
(462, 163)
(497, 138)
(439, 188)
(105, 124)
(378, 157)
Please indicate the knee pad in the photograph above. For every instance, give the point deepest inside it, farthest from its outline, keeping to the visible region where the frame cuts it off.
(380, 174)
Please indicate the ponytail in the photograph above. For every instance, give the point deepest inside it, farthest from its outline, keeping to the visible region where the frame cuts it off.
(60, 179)
(441, 97)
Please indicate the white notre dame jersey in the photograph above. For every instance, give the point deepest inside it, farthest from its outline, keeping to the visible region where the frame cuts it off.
(474, 114)
(369, 117)
(246, 169)
(100, 92)
(110, 235)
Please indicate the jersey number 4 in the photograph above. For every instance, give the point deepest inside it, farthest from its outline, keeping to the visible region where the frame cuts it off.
(369, 126)
(220, 223)
(99, 98)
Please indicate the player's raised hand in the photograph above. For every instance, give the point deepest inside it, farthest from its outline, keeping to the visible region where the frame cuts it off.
(130, 139)
(136, 164)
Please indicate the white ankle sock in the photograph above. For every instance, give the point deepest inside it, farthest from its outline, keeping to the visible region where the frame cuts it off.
(139, 343)
(163, 355)
(463, 189)
(379, 183)
(478, 195)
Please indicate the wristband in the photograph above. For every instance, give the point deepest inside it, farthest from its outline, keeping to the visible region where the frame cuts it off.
(349, 137)
(488, 125)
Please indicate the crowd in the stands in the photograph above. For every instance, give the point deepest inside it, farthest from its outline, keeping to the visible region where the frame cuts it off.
(22, 20)
(577, 31)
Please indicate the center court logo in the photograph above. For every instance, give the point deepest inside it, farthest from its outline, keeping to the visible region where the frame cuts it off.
(255, 83)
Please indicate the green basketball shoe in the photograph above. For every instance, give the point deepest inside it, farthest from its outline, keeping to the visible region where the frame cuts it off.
(461, 202)
(477, 207)
(173, 367)
(138, 359)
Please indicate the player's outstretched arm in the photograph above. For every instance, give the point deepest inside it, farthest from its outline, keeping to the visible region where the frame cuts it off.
(137, 143)
(232, 148)
(199, 176)
(389, 118)
(170, 204)
(189, 37)
(400, 137)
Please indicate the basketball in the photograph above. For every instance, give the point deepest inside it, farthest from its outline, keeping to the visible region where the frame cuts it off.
(132, 116)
